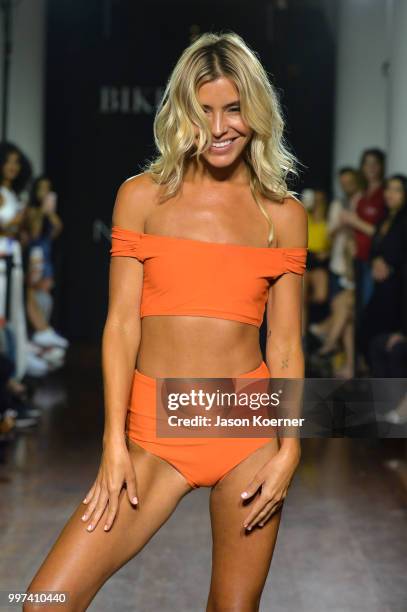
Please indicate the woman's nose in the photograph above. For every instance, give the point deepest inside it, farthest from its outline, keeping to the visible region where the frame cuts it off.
(218, 124)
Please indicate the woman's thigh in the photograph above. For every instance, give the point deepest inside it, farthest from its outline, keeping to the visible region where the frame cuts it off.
(81, 561)
(240, 559)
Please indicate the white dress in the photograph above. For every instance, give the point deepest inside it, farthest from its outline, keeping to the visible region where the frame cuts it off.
(11, 205)
(12, 285)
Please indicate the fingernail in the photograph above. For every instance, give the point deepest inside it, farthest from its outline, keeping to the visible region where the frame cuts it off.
(134, 500)
(244, 494)
(89, 528)
(106, 527)
(84, 517)
(85, 500)
(248, 528)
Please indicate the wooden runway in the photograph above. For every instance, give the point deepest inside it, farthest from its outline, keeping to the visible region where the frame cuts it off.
(341, 547)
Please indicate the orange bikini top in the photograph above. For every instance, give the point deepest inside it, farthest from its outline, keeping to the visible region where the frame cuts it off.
(183, 276)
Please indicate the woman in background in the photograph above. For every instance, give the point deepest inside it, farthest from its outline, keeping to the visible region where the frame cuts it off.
(317, 277)
(383, 313)
(15, 174)
(337, 330)
(370, 210)
(41, 226)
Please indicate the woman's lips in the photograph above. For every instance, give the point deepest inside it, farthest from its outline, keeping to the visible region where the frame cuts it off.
(222, 148)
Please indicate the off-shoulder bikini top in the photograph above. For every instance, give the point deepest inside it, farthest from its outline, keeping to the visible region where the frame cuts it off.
(183, 276)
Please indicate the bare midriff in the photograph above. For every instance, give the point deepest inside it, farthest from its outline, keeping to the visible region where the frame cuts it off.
(189, 346)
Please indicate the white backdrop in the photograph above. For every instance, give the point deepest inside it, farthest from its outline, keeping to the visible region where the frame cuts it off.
(26, 96)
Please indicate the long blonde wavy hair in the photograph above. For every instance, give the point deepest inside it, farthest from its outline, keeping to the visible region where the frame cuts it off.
(267, 156)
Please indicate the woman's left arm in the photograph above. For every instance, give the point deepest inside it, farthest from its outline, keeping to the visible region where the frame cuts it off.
(285, 359)
(57, 224)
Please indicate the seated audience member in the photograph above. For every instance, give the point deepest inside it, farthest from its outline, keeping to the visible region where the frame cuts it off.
(316, 277)
(336, 331)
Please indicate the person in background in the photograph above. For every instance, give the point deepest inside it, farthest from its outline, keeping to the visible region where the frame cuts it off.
(369, 212)
(388, 351)
(15, 174)
(339, 232)
(41, 226)
(383, 313)
(316, 277)
(337, 329)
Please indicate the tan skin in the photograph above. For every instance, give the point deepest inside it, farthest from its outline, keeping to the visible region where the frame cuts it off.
(215, 204)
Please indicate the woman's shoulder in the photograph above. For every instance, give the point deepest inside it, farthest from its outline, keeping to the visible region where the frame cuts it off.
(135, 199)
(139, 185)
(291, 221)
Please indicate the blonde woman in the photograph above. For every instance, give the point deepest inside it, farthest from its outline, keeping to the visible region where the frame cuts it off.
(201, 240)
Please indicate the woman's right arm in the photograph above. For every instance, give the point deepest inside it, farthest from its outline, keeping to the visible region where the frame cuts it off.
(120, 343)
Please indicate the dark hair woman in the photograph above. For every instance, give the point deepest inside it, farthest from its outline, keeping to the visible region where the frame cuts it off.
(15, 174)
(383, 313)
(42, 225)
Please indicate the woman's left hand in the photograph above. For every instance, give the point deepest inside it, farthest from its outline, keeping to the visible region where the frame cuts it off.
(274, 478)
(380, 269)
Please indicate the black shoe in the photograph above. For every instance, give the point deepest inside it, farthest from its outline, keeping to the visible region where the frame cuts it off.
(17, 403)
(311, 343)
(25, 417)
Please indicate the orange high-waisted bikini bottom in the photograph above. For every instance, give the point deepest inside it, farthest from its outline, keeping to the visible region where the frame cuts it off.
(202, 461)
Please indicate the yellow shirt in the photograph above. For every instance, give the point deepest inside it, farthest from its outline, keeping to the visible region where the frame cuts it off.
(318, 236)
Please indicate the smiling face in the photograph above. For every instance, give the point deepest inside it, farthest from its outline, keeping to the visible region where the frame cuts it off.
(230, 135)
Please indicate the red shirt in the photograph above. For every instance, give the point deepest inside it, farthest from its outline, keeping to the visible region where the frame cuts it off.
(371, 208)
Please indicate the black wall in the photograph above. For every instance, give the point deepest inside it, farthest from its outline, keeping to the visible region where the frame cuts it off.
(96, 138)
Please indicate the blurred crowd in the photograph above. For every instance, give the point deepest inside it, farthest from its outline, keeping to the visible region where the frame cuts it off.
(356, 280)
(30, 347)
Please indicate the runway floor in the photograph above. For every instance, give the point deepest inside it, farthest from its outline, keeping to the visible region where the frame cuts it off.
(342, 542)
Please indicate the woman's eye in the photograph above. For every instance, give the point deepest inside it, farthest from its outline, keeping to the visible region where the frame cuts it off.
(235, 109)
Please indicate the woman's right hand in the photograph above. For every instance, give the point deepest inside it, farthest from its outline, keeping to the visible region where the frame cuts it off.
(116, 470)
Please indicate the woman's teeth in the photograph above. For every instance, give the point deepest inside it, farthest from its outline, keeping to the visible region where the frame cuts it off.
(219, 145)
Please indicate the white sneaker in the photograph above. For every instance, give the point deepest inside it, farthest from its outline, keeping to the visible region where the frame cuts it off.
(56, 365)
(53, 355)
(36, 366)
(395, 418)
(49, 337)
